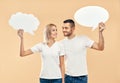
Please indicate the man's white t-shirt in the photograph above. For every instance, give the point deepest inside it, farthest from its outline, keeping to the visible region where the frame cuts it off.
(75, 57)
(50, 59)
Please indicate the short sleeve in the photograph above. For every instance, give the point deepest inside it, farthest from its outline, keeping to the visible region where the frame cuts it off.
(62, 50)
(37, 48)
(88, 42)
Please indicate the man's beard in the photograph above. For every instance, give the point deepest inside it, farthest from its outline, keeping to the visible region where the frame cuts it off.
(68, 34)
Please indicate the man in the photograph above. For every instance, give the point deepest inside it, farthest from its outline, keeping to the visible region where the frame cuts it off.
(75, 48)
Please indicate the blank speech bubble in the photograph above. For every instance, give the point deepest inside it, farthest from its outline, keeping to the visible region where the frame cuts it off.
(27, 22)
(91, 16)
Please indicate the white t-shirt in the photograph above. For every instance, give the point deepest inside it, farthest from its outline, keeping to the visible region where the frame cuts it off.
(75, 57)
(50, 59)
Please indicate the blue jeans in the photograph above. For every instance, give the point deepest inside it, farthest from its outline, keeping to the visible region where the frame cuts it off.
(76, 79)
(42, 80)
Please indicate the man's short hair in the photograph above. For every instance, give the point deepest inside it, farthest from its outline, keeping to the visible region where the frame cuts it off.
(72, 23)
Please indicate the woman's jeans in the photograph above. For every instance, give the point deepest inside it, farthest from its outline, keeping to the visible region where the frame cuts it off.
(42, 80)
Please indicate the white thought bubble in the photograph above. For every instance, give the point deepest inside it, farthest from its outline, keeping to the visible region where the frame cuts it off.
(91, 16)
(27, 22)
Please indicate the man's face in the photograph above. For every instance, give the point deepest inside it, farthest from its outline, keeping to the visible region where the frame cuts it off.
(67, 29)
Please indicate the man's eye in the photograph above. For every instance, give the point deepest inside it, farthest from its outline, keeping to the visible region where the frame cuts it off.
(66, 27)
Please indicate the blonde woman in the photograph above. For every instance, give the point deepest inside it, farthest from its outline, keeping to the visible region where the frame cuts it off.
(52, 53)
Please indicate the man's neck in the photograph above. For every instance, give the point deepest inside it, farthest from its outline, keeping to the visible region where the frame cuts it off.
(71, 36)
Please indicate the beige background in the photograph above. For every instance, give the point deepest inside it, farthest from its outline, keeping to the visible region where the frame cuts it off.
(103, 66)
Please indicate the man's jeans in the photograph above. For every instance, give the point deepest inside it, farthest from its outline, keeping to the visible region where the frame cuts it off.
(76, 79)
(42, 80)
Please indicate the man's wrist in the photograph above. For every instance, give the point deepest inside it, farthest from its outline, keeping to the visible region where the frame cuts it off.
(21, 38)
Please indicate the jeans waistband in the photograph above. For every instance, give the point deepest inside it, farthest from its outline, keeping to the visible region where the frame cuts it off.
(76, 76)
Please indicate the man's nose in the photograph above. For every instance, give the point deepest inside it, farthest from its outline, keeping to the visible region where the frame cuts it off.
(64, 29)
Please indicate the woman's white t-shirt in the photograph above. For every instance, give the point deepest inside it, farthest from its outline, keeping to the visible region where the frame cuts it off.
(50, 59)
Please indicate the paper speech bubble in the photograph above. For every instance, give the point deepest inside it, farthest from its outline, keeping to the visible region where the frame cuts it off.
(91, 16)
(27, 22)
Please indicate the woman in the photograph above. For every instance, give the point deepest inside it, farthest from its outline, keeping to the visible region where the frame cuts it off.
(52, 55)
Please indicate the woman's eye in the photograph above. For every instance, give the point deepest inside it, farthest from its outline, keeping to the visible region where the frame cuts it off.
(54, 30)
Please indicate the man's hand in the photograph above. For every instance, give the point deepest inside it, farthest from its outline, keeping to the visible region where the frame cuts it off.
(101, 27)
(100, 44)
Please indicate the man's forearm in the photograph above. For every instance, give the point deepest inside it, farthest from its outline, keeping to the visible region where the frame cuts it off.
(101, 41)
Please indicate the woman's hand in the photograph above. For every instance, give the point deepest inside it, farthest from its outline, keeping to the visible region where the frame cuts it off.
(20, 33)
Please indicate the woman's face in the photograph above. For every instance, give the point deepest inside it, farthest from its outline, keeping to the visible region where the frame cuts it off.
(53, 32)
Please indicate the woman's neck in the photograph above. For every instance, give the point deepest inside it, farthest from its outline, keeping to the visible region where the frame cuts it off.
(51, 41)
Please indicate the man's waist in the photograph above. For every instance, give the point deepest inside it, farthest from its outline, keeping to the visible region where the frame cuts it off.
(76, 76)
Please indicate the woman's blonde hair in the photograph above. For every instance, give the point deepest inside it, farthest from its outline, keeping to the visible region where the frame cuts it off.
(47, 32)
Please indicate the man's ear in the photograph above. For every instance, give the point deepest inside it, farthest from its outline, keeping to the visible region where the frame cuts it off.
(73, 28)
